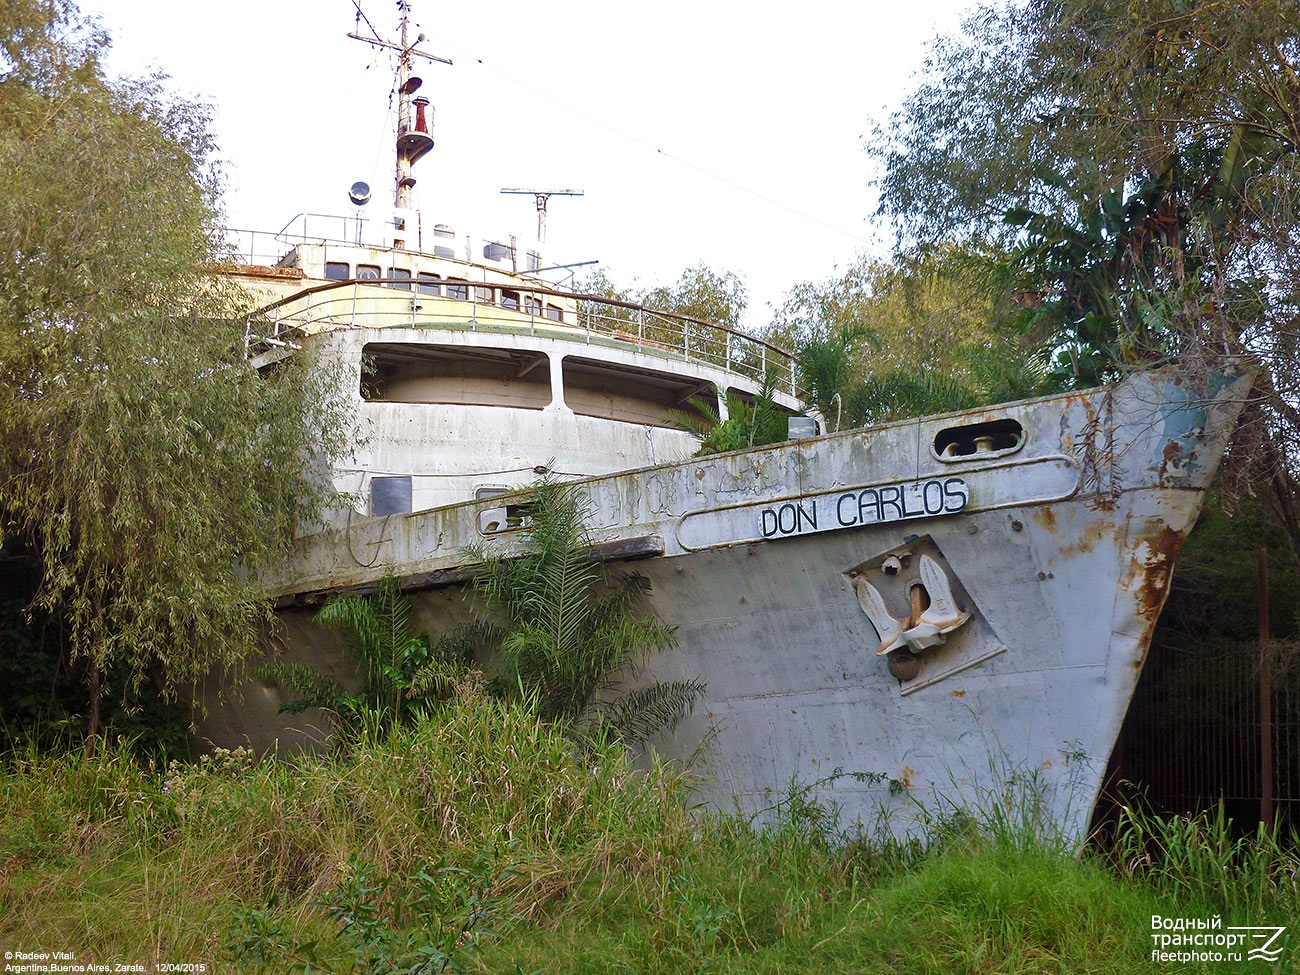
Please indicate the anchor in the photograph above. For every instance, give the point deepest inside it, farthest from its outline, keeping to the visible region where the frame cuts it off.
(926, 625)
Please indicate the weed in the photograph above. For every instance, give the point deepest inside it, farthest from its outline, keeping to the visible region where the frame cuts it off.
(1203, 858)
(437, 926)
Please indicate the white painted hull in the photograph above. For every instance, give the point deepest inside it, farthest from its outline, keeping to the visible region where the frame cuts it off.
(1059, 548)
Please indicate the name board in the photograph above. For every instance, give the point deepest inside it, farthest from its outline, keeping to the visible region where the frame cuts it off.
(864, 506)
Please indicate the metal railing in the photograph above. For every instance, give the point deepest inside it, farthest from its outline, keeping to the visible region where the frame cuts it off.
(266, 247)
(593, 319)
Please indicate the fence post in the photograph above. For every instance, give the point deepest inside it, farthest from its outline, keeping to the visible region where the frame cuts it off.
(1265, 697)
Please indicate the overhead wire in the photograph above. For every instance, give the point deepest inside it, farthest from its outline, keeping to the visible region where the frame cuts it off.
(659, 150)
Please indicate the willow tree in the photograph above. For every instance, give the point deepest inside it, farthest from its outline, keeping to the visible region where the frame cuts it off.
(145, 468)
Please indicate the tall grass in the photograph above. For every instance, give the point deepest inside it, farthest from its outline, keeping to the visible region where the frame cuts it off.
(1204, 859)
(478, 781)
(480, 838)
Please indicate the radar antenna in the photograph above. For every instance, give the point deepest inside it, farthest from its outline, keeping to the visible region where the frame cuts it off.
(540, 196)
(414, 138)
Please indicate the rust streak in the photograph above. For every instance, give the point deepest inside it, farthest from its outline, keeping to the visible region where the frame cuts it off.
(1156, 571)
(1149, 578)
(1093, 532)
(1171, 456)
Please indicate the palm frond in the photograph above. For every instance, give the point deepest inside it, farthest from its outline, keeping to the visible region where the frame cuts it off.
(436, 679)
(467, 642)
(751, 421)
(700, 419)
(637, 716)
(314, 687)
(903, 394)
(377, 632)
(569, 628)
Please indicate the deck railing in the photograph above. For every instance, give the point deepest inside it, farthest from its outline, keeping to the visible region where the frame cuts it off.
(531, 309)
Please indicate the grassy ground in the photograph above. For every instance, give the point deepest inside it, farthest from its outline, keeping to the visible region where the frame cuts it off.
(479, 841)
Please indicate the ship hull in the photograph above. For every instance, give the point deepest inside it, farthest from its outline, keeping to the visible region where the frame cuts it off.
(948, 612)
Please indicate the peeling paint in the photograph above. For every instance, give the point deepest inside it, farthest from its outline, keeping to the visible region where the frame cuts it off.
(1147, 578)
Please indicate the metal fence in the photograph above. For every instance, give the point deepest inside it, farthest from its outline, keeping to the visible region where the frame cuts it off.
(1197, 734)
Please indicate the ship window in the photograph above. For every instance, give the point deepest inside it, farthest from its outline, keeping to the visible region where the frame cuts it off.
(502, 518)
(484, 294)
(429, 283)
(509, 299)
(390, 495)
(368, 272)
(631, 394)
(554, 313)
(402, 274)
(337, 270)
(452, 374)
(457, 289)
(979, 440)
(532, 305)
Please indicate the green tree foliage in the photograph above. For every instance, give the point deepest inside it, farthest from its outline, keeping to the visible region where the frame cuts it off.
(924, 333)
(696, 303)
(1133, 159)
(572, 632)
(141, 458)
(701, 292)
(827, 369)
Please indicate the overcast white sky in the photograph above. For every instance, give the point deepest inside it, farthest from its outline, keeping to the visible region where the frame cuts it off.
(700, 131)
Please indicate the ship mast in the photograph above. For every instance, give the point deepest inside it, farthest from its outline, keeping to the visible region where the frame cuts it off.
(414, 136)
(540, 197)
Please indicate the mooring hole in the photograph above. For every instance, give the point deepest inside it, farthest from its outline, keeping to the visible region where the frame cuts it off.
(978, 439)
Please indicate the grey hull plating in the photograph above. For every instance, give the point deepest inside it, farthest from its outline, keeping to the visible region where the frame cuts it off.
(1051, 543)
